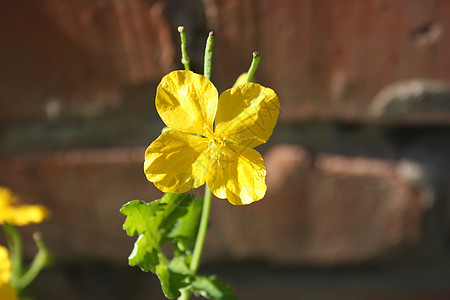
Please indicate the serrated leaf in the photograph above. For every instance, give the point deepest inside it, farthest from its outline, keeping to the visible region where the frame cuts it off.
(139, 222)
(178, 265)
(144, 254)
(212, 288)
(172, 283)
(138, 213)
(185, 228)
(178, 205)
(152, 222)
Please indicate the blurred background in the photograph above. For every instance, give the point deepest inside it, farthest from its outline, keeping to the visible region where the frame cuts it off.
(358, 201)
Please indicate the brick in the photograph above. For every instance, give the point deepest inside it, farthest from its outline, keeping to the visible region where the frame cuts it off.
(327, 60)
(413, 102)
(79, 54)
(323, 211)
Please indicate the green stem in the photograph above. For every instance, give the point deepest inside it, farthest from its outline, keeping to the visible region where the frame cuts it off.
(200, 240)
(184, 56)
(40, 260)
(253, 66)
(208, 55)
(195, 262)
(15, 251)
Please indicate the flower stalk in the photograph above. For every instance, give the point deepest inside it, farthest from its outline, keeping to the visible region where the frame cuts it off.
(203, 227)
(41, 260)
(14, 242)
(185, 60)
(208, 55)
(20, 279)
(253, 66)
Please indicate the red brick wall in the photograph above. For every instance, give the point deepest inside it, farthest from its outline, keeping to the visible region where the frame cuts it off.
(329, 59)
(358, 164)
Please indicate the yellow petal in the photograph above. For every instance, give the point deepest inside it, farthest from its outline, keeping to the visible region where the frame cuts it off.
(7, 198)
(187, 102)
(237, 173)
(177, 162)
(25, 214)
(7, 292)
(5, 266)
(247, 114)
(19, 215)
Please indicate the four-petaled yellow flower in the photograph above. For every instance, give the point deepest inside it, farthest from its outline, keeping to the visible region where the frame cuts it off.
(211, 138)
(6, 291)
(19, 215)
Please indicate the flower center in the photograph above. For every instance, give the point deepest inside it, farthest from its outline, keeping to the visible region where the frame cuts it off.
(216, 142)
(216, 145)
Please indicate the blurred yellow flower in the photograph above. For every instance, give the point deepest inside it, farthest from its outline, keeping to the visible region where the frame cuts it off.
(5, 266)
(6, 291)
(19, 215)
(211, 138)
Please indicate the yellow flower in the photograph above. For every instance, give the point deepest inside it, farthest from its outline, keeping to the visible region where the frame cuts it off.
(6, 291)
(211, 138)
(19, 215)
(5, 266)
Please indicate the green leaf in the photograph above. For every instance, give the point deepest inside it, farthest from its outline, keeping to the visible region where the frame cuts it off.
(178, 206)
(144, 254)
(139, 222)
(212, 288)
(185, 228)
(178, 265)
(138, 212)
(171, 282)
(154, 223)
